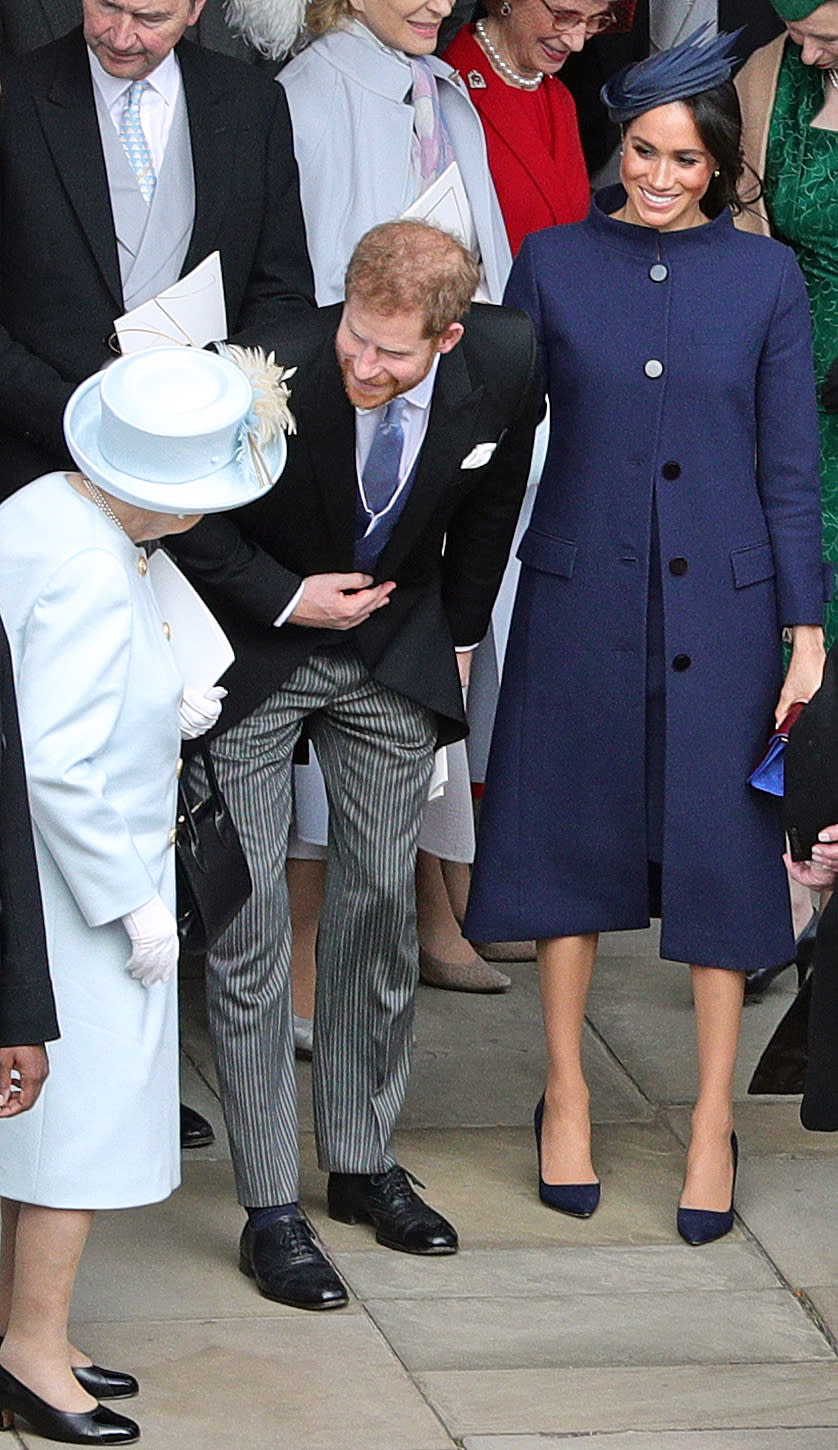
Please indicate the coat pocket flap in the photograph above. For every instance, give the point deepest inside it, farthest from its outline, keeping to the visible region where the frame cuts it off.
(752, 564)
(550, 555)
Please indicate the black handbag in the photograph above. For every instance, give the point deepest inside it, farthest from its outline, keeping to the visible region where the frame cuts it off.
(213, 879)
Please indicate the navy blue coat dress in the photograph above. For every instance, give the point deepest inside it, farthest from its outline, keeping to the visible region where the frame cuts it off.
(683, 436)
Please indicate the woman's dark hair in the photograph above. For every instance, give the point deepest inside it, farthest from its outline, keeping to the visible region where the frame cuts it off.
(718, 121)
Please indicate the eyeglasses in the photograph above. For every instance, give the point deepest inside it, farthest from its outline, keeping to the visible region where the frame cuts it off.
(566, 20)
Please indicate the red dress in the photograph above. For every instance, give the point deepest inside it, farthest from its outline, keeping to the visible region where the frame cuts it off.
(535, 154)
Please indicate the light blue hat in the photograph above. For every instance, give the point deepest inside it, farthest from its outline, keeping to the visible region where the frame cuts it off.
(181, 430)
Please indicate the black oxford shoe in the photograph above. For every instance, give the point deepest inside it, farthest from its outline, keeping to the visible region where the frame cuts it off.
(289, 1267)
(402, 1220)
(195, 1130)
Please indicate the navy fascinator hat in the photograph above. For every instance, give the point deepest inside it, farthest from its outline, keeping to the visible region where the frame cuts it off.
(697, 64)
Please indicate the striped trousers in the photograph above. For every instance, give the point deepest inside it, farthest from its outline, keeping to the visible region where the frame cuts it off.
(375, 748)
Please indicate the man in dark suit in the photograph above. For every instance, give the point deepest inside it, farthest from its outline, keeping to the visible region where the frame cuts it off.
(81, 241)
(26, 24)
(346, 593)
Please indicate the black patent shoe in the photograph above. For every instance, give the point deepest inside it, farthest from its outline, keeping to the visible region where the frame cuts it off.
(105, 1384)
(92, 1427)
(402, 1220)
(288, 1266)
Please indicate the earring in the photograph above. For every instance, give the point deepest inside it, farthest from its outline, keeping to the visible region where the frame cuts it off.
(717, 173)
(505, 9)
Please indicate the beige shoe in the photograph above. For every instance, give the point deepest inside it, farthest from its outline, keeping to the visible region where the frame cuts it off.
(506, 951)
(475, 976)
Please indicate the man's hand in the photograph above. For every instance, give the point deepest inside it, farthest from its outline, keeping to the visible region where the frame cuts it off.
(339, 601)
(821, 871)
(31, 1068)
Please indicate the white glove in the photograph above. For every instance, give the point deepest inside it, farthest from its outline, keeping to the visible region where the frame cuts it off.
(154, 939)
(197, 712)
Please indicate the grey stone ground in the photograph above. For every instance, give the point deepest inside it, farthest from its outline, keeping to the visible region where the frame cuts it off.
(543, 1332)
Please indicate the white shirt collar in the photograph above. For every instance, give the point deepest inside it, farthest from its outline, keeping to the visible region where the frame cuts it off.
(164, 79)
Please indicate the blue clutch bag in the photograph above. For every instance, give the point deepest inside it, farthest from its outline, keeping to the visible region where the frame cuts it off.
(769, 774)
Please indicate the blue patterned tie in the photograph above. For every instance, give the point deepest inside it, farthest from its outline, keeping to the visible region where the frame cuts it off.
(134, 142)
(380, 477)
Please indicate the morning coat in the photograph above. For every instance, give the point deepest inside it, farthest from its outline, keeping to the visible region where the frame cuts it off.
(60, 286)
(680, 380)
(447, 552)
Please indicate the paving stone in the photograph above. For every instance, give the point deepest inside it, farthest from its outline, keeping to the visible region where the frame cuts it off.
(766, 1127)
(599, 1329)
(674, 1397)
(459, 1035)
(797, 1439)
(312, 1382)
(180, 1257)
(485, 1181)
(825, 1302)
(572, 1270)
(791, 1206)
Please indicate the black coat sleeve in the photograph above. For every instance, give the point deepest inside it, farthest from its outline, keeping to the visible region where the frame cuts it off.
(27, 1008)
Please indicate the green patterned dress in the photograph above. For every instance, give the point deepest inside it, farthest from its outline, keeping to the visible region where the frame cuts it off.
(801, 193)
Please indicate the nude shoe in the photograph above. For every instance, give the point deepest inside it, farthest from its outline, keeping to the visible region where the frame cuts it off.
(475, 976)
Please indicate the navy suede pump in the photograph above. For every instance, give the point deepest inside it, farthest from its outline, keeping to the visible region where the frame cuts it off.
(704, 1225)
(580, 1200)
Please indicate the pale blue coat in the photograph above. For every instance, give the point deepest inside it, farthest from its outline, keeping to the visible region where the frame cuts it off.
(352, 140)
(98, 691)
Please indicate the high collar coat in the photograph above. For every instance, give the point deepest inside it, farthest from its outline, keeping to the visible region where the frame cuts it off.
(678, 390)
(60, 287)
(352, 139)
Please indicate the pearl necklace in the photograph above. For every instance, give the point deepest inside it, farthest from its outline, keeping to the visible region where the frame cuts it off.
(527, 83)
(102, 503)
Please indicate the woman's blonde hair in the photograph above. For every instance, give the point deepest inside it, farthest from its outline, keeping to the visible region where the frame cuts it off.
(325, 15)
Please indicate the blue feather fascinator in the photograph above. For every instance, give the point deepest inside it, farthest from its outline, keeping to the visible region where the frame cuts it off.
(697, 64)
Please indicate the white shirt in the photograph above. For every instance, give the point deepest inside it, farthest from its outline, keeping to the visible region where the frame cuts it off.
(157, 105)
(414, 428)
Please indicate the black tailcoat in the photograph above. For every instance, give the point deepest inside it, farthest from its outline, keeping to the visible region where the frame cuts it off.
(447, 552)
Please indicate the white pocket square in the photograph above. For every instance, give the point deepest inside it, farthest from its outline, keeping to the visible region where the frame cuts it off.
(479, 455)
